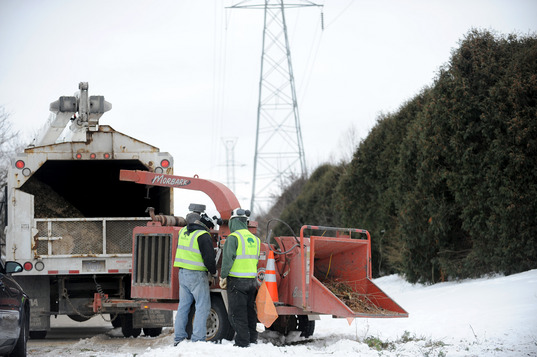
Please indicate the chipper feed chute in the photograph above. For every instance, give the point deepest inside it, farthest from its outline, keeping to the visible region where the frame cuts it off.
(336, 275)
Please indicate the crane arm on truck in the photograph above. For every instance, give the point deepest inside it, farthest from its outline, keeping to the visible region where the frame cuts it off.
(64, 110)
(223, 198)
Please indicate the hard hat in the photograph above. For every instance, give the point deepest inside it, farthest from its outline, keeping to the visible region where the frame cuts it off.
(196, 207)
(206, 221)
(240, 213)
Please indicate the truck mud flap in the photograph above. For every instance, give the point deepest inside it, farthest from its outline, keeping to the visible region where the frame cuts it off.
(38, 290)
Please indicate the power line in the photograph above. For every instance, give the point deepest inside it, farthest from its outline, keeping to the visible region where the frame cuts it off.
(279, 152)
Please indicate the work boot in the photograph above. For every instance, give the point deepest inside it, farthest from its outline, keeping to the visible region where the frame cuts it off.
(242, 346)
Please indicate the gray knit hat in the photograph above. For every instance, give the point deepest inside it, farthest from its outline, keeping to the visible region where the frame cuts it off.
(192, 217)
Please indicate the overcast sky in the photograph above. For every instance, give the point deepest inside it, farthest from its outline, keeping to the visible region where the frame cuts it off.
(184, 74)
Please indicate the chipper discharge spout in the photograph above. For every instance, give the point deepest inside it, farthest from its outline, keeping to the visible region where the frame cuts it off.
(336, 275)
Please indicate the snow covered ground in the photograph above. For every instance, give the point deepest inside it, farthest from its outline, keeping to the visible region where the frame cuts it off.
(494, 316)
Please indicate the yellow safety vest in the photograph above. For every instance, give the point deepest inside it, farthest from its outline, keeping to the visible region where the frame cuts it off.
(188, 253)
(245, 264)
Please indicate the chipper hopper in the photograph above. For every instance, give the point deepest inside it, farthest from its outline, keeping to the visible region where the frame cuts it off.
(329, 272)
(323, 271)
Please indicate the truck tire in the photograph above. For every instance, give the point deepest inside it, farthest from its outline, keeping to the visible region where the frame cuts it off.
(126, 326)
(218, 326)
(37, 335)
(79, 318)
(152, 331)
(115, 320)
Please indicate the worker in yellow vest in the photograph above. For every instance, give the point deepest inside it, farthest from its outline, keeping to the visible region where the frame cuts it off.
(195, 257)
(238, 275)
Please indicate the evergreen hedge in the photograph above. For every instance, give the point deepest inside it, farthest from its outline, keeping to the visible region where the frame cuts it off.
(447, 185)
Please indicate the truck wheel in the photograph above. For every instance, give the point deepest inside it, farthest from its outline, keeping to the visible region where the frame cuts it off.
(38, 335)
(218, 326)
(152, 331)
(126, 326)
(115, 320)
(79, 318)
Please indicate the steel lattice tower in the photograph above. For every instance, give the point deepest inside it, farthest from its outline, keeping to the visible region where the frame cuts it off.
(279, 150)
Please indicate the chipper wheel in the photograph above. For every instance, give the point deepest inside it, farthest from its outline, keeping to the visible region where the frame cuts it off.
(218, 326)
(287, 323)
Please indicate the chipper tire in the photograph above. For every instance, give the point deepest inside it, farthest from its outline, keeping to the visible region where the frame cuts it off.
(288, 323)
(218, 326)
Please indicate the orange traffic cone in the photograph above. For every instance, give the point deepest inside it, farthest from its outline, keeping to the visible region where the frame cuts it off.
(270, 277)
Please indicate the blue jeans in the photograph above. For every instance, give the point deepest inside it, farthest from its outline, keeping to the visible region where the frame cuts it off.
(193, 286)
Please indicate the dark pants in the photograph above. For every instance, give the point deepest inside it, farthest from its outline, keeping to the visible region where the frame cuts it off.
(242, 315)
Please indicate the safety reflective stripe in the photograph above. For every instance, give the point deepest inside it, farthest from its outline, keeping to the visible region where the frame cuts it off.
(243, 268)
(243, 255)
(188, 262)
(270, 271)
(177, 260)
(191, 247)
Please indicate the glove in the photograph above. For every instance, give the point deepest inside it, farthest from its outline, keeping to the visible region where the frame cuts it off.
(223, 283)
(211, 278)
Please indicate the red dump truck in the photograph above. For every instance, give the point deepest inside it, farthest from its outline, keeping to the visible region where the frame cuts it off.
(321, 271)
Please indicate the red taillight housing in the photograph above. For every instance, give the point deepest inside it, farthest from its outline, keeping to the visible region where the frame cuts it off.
(20, 164)
(106, 156)
(78, 156)
(165, 163)
(28, 266)
(92, 156)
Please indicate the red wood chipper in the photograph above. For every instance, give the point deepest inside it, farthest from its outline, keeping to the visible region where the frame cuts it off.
(322, 271)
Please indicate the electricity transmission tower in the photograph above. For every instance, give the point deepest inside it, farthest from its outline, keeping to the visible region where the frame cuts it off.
(230, 143)
(279, 150)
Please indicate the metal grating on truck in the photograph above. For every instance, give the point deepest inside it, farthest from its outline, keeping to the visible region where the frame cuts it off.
(153, 261)
(88, 236)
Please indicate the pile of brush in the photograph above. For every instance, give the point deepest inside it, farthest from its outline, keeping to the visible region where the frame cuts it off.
(359, 303)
